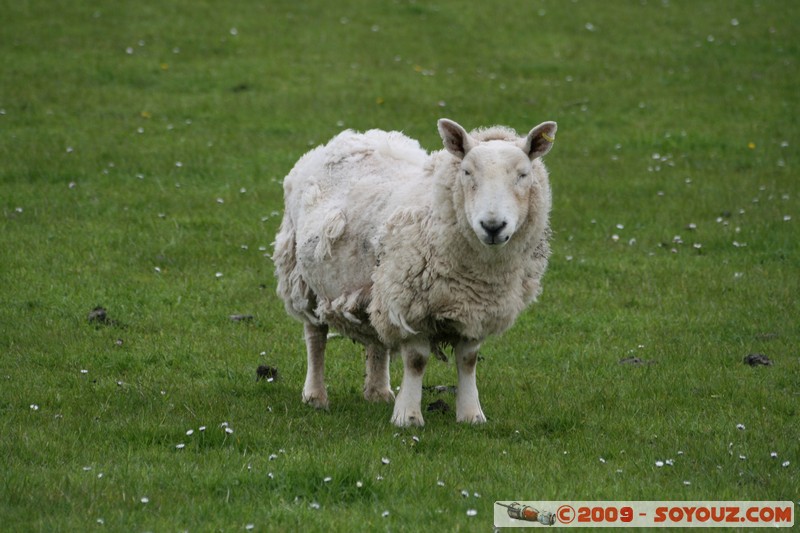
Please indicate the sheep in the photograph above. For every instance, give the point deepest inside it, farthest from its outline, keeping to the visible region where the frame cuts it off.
(405, 251)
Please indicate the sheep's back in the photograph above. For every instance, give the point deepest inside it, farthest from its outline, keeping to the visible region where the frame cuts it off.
(339, 197)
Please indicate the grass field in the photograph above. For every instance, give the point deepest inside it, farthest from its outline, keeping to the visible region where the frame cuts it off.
(142, 148)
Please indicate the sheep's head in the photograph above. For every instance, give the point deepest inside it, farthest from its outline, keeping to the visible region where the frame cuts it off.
(496, 178)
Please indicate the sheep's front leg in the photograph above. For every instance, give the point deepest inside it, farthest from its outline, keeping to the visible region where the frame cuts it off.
(468, 408)
(314, 392)
(376, 382)
(408, 405)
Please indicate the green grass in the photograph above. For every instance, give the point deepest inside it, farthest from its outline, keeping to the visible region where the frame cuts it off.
(129, 180)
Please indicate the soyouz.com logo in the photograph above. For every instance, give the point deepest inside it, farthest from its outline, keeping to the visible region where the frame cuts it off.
(644, 514)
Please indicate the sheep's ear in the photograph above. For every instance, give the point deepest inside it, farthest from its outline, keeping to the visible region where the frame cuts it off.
(456, 139)
(540, 140)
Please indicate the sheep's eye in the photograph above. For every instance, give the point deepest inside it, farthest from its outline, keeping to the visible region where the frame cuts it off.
(467, 173)
(522, 175)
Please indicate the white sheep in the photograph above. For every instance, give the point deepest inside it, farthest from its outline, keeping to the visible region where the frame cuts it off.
(407, 251)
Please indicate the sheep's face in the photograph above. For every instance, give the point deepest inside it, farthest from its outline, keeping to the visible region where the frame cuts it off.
(496, 178)
(496, 181)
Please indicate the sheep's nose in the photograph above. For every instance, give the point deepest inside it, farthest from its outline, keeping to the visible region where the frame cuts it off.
(493, 228)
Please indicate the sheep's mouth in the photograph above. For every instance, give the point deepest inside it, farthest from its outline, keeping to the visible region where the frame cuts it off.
(495, 240)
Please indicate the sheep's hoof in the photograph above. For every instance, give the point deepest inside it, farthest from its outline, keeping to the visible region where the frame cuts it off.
(379, 395)
(316, 399)
(472, 418)
(406, 419)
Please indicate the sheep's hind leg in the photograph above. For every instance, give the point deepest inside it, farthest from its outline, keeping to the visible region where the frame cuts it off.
(468, 408)
(376, 382)
(314, 392)
(408, 405)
